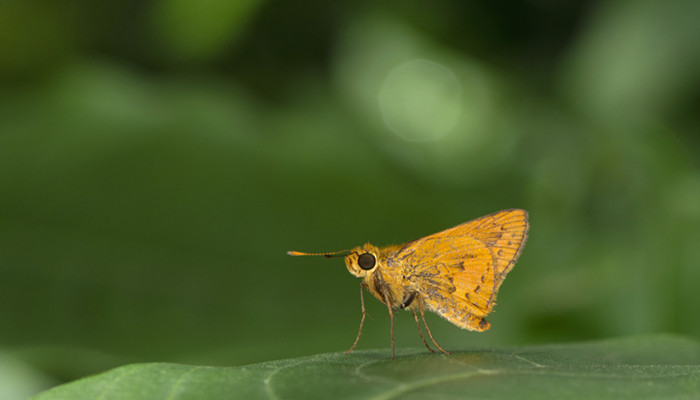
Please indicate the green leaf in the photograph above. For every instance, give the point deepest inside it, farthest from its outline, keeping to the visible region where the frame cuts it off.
(18, 379)
(648, 367)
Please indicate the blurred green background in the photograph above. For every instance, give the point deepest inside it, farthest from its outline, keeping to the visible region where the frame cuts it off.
(158, 158)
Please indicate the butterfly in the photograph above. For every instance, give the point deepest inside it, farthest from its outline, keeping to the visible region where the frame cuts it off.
(455, 273)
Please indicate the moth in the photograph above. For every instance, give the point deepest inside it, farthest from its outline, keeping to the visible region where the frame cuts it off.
(455, 273)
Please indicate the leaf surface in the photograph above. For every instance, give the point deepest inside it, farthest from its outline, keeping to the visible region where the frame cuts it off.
(648, 367)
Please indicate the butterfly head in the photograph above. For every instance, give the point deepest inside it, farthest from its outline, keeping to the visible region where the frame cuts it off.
(362, 260)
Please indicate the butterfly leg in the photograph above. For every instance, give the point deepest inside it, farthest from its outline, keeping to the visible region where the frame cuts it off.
(391, 317)
(420, 332)
(362, 321)
(422, 315)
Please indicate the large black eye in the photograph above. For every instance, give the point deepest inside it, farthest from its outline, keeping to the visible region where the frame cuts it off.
(366, 261)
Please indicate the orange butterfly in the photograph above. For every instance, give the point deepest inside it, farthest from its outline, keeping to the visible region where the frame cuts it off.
(455, 273)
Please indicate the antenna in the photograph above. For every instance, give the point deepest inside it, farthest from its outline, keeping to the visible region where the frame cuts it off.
(327, 255)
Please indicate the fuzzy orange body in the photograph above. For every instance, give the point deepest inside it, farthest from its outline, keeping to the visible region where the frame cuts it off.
(455, 273)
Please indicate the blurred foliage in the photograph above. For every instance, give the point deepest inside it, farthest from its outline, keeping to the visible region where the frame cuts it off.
(158, 158)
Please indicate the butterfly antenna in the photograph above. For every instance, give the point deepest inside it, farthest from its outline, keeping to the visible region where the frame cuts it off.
(327, 255)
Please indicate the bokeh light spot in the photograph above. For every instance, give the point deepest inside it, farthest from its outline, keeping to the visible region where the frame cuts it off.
(420, 100)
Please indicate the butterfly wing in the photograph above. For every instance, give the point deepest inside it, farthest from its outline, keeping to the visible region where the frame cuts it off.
(458, 271)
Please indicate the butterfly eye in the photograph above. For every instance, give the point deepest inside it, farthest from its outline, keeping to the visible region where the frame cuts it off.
(367, 261)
